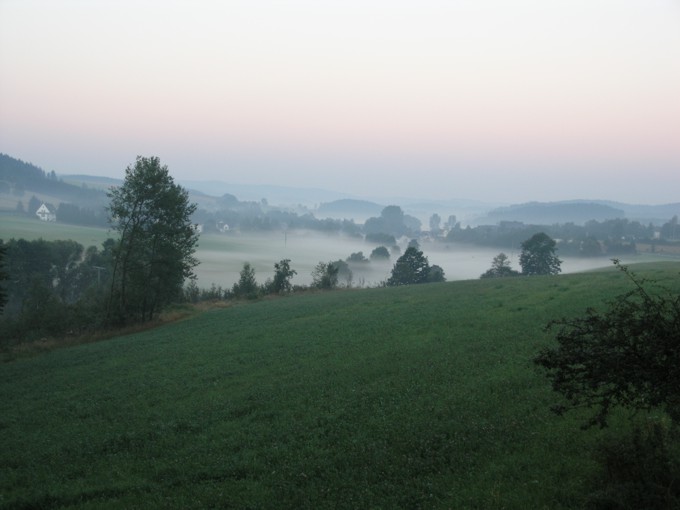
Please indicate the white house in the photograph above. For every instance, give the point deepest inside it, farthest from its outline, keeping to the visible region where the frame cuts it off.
(45, 214)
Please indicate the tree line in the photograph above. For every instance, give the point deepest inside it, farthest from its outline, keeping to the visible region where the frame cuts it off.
(52, 288)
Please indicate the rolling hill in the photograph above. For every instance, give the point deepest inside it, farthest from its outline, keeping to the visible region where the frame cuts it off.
(359, 210)
(19, 180)
(579, 212)
(413, 397)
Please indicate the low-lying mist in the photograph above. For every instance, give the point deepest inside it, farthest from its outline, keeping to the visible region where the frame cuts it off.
(222, 257)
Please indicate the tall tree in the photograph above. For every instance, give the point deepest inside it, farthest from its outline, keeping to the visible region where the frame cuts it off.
(538, 256)
(451, 222)
(670, 230)
(380, 253)
(33, 205)
(435, 274)
(391, 221)
(246, 285)
(500, 267)
(26, 261)
(157, 241)
(325, 275)
(411, 267)
(282, 276)
(435, 221)
(66, 259)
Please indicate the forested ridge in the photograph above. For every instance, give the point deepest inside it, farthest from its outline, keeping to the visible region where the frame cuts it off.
(79, 205)
(19, 177)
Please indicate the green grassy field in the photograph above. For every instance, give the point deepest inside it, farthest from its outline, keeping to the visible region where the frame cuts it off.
(414, 397)
(22, 227)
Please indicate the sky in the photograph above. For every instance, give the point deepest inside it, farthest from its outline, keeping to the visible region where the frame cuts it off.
(494, 100)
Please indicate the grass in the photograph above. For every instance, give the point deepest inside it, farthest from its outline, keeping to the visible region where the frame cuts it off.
(414, 397)
(13, 351)
(22, 227)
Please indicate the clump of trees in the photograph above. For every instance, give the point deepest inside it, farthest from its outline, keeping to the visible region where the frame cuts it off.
(325, 275)
(500, 268)
(392, 222)
(357, 257)
(380, 238)
(671, 230)
(283, 274)
(610, 238)
(71, 213)
(538, 256)
(246, 287)
(412, 268)
(259, 216)
(380, 253)
(55, 288)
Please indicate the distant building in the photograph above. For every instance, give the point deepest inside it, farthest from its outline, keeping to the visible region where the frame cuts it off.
(45, 214)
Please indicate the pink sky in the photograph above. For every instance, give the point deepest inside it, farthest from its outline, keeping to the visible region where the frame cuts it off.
(485, 99)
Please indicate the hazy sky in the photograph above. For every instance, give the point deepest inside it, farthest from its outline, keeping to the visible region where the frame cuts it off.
(498, 100)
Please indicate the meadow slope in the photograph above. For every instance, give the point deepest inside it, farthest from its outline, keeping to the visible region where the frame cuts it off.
(412, 397)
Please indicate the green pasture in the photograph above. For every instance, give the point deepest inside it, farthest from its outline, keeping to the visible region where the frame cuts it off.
(22, 227)
(414, 397)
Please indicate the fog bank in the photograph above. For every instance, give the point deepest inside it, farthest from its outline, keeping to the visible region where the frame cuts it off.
(222, 257)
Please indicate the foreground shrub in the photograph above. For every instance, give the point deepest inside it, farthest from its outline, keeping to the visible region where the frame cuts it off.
(627, 356)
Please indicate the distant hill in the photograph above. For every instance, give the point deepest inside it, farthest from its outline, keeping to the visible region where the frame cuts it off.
(275, 195)
(579, 212)
(647, 213)
(92, 181)
(20, 179)
(548, 213)
(347, 208)
(14, 171)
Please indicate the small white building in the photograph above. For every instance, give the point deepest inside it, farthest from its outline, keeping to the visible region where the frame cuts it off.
(45, 214)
